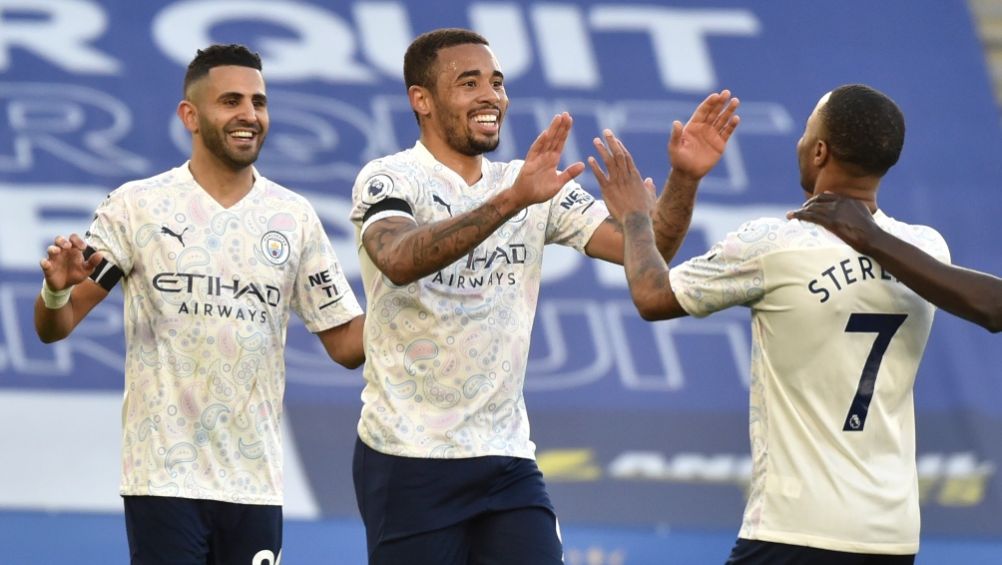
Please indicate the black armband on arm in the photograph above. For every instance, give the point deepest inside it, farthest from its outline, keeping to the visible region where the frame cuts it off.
(388, 205)
(105, 274)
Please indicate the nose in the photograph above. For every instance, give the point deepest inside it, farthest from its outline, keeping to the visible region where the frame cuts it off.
(490, 94)
(248, 112)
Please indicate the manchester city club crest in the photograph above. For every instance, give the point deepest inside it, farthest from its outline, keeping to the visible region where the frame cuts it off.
(275, 247)
(377, 188)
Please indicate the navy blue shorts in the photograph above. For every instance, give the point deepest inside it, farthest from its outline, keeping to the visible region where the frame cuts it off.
(755, 552)
(183, 531)
(454, 511)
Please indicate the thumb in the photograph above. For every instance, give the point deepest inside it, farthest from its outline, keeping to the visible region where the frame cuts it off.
(93, 261)
(676, 134)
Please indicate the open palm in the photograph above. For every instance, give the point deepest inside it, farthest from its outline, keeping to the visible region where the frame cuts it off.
(539, 180)
(694, 149)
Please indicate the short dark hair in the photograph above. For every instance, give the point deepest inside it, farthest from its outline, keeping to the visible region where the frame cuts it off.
(219, 56)
(864, 127)
(422, 52)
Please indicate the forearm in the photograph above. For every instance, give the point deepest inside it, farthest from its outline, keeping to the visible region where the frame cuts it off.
(424, 250)
(673, 213)
(344, 343)
(972, 295)
(646, 270)
(53, 324)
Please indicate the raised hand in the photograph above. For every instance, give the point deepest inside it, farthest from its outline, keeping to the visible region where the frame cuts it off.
(695, 148)
(623, 189)
(64, 265)
(848, 218)
(539, 180)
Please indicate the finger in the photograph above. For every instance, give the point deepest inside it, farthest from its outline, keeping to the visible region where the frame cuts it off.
(649, 183)
(571, 172)
(611, 141)
(561, 133)
(707, 109)
(723, 105)
(729, 127)
(724, 117)
(627, 156)
(600, 175)
(617, 150)
(61, 242)
(676, 135)
(53, 251)
(77, 241)
(91, 263)
(603, 151)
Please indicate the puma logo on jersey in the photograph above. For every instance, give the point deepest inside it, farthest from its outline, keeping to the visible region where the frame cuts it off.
(443, 203)
(178, 236)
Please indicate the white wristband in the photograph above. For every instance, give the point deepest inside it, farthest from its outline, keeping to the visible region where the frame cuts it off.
(55, 299)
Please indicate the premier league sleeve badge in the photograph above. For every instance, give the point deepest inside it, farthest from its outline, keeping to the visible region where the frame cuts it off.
(377, 188)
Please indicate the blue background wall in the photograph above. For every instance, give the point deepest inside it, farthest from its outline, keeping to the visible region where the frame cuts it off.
(641, 427)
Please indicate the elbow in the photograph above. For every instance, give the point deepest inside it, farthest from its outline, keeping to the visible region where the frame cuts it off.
(399, 279)
(353, 363)
(399, 276)
(47, 339)
(993, 323)
(649, 310)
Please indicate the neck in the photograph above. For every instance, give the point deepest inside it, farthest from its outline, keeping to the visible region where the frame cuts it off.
(224, 184)
(863, 188)
(466, 166)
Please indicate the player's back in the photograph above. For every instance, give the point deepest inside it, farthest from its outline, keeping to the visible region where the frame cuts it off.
(837, 344)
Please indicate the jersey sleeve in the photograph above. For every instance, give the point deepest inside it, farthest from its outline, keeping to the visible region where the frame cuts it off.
(729, 274)
(109, 235)
(322, 296)
(574, 215)
(381, 192)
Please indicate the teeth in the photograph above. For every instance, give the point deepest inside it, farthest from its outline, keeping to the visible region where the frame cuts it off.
(486, 119)
(243, 134)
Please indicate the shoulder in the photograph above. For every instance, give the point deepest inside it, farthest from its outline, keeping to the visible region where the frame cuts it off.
(764, 236)
(133, 189)
(924, 237)
(388, 176)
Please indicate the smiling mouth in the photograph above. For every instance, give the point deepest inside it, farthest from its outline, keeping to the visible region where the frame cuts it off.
(487, 123)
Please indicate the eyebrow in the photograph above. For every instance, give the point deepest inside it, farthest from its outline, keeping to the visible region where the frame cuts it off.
(476, 73)
(233, 93)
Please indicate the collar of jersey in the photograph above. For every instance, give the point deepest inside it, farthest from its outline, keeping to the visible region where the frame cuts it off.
(429, 160)
(185, 173)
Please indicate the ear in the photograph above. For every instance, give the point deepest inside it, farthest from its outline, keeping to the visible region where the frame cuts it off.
(821, 153)
(188, 114)
(420, 98)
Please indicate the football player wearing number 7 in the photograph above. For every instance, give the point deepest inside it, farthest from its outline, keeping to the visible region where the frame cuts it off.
(836, 342)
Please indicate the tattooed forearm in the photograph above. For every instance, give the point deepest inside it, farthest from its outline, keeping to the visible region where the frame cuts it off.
(440, 244)
(405, 252)
(673, 215)
(646, 271)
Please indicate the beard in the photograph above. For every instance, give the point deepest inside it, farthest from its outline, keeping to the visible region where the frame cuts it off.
(215, 141)
(463, 140)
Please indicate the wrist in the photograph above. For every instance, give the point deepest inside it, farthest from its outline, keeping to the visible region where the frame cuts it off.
(679, 179)
(55, 299)
(508, 203)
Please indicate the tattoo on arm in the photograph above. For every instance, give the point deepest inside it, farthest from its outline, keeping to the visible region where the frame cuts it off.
(406, 252)
(672, 217)
(646, 270)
